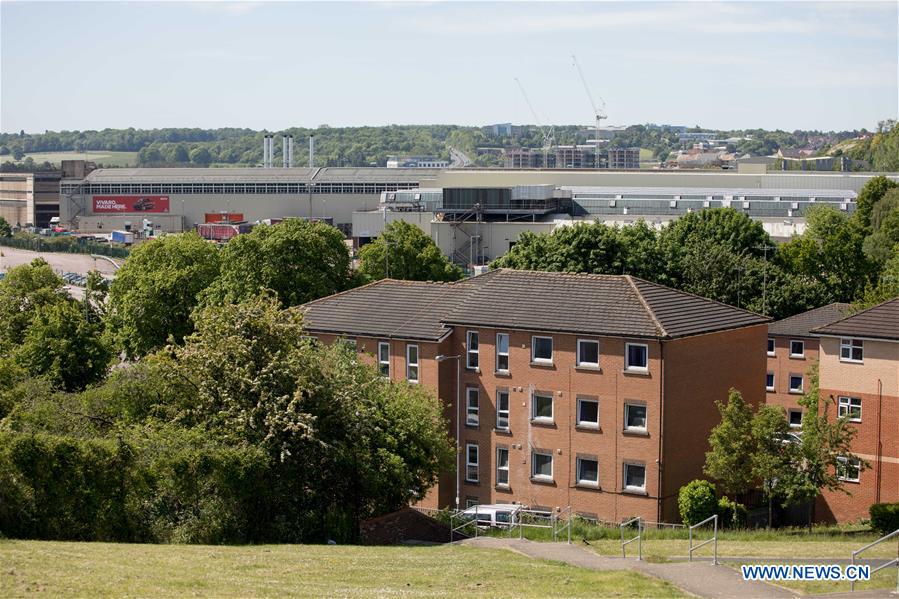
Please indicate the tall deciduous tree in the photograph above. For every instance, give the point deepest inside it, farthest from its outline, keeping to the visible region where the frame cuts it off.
(871, 193)
(732, 446)
(299, 261)
(403, 251)
(25, 289)
(773, 456)
(156, 290)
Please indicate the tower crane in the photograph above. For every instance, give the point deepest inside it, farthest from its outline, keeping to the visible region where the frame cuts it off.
(598, 113)
(549, 134)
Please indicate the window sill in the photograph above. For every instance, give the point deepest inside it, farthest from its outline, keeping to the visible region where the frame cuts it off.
(636, 371)
(542, 364)
(797, 357)
(842, 361)
(588, 368)
(472, 426)
(635, 491)
(473, 370)
(796, 391)
(473, 483)
(636, 432)
(502, 373)
(502, 431)
(502, 487)
(543, 481)
(848, 480)
(855, 421)
(587, 427)
(769, 390)
(587, 485)
(771, 355)
(543, 421)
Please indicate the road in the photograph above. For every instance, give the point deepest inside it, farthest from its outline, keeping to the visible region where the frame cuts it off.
(459, 159)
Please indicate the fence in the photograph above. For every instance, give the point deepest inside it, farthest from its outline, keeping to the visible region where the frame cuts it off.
(67, 244)
(892, 562)
(470, 521)
(714, 538)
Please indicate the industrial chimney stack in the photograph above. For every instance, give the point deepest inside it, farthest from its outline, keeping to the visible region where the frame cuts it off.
(311, 151)
(283, 151)
(290, 151)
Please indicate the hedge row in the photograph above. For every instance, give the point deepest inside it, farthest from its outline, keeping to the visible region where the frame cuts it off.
(68, 244)
(884, 517)
(159, 487)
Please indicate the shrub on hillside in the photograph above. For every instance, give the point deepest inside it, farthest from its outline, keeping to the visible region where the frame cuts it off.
(697, 501)
(884, 517)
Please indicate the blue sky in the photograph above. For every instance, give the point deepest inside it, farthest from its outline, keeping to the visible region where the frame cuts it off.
(789, 65)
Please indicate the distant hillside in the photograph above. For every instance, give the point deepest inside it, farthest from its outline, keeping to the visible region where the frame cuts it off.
(371, 146)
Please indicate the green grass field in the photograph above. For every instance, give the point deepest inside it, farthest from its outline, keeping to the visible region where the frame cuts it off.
(108, 569)
(108, 158)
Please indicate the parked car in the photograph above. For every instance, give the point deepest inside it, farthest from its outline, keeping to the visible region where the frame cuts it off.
(498, 515)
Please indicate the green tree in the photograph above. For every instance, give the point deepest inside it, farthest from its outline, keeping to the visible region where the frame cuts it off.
(156, 290)
(344, 443)
(299, 261)
(732, 444)
(816, 458)
(200, 156)
(887, 286)
(871, 193)
(25, 289)
(5, 229)
(63, 346)
(408, 253)
(878, 246)
(696, 501)
(774, 454)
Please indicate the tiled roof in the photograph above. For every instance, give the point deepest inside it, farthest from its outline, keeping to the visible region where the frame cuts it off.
(608, 305)
(388, 308)
(879, 322)
(801, 325)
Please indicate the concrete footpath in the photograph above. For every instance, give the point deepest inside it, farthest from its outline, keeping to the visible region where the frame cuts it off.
(697, 578)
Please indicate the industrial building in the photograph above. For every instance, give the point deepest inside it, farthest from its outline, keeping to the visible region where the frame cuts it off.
(29, 199)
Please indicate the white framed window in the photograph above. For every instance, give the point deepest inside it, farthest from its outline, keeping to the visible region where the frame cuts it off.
(542, 349)
(634, 477)
(502, 466)
(848, 469)
(471, 463)
(502, 352)
(588, 471)
(384, 358)
(797, 348)
(852, 350)
(588, 353)
(542, 407)
(795, 417)
(796, 383)
(412, 363)
(635, 417)
(472, 406)
(851, 407)
(541, 465)
(471, 350)
(771, 346)
(502, 409)
(636, 357)
(471, 502)
(587, 413)
(769, 381)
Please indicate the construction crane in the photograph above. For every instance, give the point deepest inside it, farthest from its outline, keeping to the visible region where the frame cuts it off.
(598, 113)
(549, 134)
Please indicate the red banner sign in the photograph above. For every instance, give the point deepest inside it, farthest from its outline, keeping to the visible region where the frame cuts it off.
(131, 204)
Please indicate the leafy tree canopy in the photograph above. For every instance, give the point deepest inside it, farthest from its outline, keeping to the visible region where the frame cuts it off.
(25, 289)
(408, 253)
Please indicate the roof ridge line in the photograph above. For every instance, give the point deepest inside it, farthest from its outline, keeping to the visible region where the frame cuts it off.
(702, 297)
(645, 305)
(344, 292)
(854, 314)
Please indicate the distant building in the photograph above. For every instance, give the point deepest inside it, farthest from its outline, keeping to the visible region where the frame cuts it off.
(417, 162)
(623, 158)
(29, 199)
(502, 130)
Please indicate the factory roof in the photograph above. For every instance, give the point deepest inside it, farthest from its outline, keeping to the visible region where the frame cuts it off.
(879, 322)
(259, 175)
(735, 192)
(801, 325)
(607, 305)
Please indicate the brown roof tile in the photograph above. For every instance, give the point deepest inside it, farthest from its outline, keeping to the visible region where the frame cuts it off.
(801, 325)
(878, 322)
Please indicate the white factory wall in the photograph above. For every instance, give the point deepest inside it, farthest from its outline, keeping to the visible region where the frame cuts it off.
(371, 223)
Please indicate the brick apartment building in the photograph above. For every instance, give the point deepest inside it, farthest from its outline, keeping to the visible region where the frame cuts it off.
(859, 370)
(590, 391)
(792, 351)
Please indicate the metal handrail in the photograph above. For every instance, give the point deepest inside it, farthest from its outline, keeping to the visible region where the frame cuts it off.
(567, 523)
(714, 539)
(638, 538)
(892, 562)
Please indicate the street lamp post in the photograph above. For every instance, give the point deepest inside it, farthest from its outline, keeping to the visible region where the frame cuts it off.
(458, 358)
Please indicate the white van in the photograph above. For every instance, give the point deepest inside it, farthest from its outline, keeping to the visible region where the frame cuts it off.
(497, 515)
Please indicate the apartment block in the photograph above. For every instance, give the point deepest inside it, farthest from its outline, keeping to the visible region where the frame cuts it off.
(859, 372)
(590, 391)
(792, 351)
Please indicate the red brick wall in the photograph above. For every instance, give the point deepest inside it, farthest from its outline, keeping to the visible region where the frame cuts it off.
(782, 365)
(698, 371)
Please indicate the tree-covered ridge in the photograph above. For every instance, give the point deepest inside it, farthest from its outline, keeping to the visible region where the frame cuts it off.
(371, 146)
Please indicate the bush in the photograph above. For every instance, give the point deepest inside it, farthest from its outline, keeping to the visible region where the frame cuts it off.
(884, 517)
(696, 501)
(731, 514)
